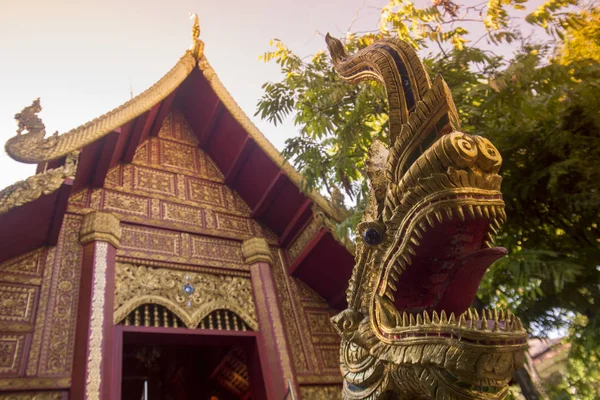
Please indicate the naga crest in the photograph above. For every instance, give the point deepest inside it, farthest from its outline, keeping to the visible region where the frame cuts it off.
(424, 243)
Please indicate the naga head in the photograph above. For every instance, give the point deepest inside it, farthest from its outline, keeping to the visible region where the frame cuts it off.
(423, 245)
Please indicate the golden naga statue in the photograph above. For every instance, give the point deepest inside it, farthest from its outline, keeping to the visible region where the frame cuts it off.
(435, 201)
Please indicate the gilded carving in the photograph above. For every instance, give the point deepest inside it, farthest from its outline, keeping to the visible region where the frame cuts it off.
(153, 181)
(141, 153)
(16, 303)
(216, 249)
(29, 264)
(80, 197)
(149, 239)
(59, 337)
(98, 225)
(34, 383)
(434, 205)
(182, 214)
(113, 176)
(307, 234)
(37, 185)
(319, 322)
(312, 341)
(94, 362)
(33, 147)
(126, 203)
(165, 245)
(11, 351)
(256, 250)
(179, 156)
(176, 128)
(40, 319)
(137, 284)
(205, 192)
(232, 223)
(33, 396)
(315, 392)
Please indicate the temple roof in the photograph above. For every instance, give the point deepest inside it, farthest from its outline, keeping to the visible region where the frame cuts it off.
(251, 165)
(32, 147)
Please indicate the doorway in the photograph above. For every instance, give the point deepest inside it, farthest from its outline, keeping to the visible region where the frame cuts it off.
(185, 364)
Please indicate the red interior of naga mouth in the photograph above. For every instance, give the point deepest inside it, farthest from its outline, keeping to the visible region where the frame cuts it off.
(448, 266)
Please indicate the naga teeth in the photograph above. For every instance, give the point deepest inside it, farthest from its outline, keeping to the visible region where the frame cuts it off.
(478, 212)
(461, 214)
(452, 319)
(388, 315)
(496, 223)
(449, 213)
(418, 233)
(430, 220)
(426, 317)
(471, 211)
(486, 212)
(439, 216)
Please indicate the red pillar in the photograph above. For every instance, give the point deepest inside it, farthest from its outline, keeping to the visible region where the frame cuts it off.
(273, 350)
(94, 338)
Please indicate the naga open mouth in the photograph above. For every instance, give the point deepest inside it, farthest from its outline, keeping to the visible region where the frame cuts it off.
(433, 269)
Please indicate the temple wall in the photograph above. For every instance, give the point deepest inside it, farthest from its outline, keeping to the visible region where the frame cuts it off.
(314, 345)
(38, 311)
(179, 221)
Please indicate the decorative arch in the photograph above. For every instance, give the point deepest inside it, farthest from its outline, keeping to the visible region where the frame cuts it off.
(157, 314)
(190, 296)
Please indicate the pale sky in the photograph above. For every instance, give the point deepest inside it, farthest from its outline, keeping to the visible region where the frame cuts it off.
(82, 57)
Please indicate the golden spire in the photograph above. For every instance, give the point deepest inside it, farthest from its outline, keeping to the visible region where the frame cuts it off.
(197, 47)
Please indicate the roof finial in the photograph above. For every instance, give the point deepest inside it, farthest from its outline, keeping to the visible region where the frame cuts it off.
(197, 44)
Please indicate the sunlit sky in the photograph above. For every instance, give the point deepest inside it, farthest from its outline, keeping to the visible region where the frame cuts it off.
(84, 58)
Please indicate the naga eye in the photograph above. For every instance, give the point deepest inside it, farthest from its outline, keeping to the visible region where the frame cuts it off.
(372, 237)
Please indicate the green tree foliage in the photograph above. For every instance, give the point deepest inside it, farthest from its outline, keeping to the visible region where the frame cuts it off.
(539, 107)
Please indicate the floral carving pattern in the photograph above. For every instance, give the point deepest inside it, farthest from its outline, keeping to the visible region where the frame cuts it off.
(137, 284)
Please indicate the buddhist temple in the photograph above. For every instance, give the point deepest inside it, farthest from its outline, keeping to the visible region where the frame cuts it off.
(165, 250)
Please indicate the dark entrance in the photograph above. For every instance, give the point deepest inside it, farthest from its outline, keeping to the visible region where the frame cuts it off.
(184, 364)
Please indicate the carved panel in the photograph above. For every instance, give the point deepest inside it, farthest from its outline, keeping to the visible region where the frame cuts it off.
(205, 192)
(113, 176)
(33, 396)
(183, 214)
(328, 392)
(160, 244)
(330, 357)
(151, 240)
(304, 238)
(36, 345)
(141, 153)
(319, 322)
(216, 249)
(11, 352)
(24, 269)
(314, 345)
(153, 181)
(190, 295)
(80, 198)
(232, 223)
(176, 128)
(125, 203)
(16, 303)
(178, 156)
(59, 337)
